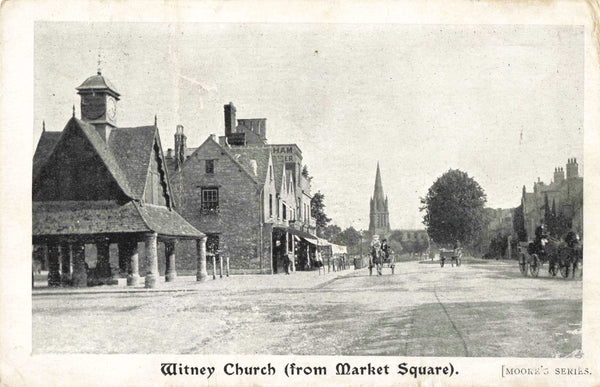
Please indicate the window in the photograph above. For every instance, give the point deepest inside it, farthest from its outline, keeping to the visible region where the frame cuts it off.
(210, 199)
(284, 212)
(270, 205)
(270, 172)
(210, 166)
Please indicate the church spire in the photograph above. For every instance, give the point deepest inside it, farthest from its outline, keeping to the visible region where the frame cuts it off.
(378, 192)
(379, 217)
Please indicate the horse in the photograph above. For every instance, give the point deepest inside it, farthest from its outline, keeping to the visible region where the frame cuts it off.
(564, 256)
(375, 259)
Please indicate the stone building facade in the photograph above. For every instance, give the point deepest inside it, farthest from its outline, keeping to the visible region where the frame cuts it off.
(250, 201)
(379, 216)
(564, 194)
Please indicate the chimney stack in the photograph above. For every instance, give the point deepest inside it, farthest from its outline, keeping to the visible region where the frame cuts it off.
(559, 175)
(572, 168)
(230, 120)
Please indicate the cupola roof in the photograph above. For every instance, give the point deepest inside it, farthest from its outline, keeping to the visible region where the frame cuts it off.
(98, 82)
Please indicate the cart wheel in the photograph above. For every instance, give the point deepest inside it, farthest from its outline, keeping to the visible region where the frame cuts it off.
(523, 265)
(534, 267)
(564, 270)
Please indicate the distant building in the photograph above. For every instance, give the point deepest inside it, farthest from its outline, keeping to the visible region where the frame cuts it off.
(379, 217)
(99, 187)
(247, 195)
(564, 195)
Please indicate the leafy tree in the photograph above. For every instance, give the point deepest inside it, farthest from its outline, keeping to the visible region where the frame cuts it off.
(557, 224)
(519, 224)
(454, 208)
(317, 209)
(350, 237)
(305, 172)
(330, 231)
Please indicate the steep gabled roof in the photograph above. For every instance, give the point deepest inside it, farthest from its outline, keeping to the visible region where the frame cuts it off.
(260, 154)
(105, 154)
(44, 149)
(132, 148)
(230, 155)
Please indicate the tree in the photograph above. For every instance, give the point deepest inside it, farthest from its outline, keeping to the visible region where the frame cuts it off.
(331, 231)
(305, 172)
(519, 224)
(454, 208)
(317, 209)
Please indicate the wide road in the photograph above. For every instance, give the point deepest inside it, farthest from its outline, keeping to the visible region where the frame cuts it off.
(483, 310)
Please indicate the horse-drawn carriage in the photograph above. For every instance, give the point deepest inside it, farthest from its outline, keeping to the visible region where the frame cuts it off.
(454, 255)
(379, 259)
(564, 257)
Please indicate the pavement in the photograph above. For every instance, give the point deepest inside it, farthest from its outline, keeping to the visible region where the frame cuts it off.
(482, 310)
(294, 280)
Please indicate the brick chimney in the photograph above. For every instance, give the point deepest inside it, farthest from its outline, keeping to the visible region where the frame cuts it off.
(180, 145)
(572, 168)
(230, 120)
(559, 175)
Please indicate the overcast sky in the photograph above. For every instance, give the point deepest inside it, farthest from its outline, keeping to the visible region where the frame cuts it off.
(502, 103)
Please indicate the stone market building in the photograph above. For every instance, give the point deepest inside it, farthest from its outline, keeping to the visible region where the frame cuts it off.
(98, 187)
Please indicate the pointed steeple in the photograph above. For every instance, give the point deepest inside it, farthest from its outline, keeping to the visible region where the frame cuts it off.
(379, 216)
(378, 192)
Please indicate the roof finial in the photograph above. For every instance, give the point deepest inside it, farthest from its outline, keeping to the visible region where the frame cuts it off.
(155, 120)
(73, 110)
(44, 126)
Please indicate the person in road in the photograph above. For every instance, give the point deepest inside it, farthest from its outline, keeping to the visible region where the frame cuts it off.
(375, 254)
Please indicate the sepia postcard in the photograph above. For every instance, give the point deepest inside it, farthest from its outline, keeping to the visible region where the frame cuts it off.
(303, 193)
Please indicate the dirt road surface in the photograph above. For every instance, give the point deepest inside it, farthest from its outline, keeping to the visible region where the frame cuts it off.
(483, 310)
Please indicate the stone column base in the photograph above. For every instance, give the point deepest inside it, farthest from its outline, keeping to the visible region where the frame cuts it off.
(170, 277)
(133, 279)
(201, 277)
(151, 280)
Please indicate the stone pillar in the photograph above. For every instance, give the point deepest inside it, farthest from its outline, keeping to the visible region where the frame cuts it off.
(171, 272)
(53, 265)
(227, 266)
(65, 260)
(133, 267)
(79, 278)
(151, 260)
(123, 258)
(294, 243)
(103, 260)
(214, 267)
(220, 266)
(201, 265)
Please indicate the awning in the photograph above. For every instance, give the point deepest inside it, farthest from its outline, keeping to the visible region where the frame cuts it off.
(301, 234)
(337, 249)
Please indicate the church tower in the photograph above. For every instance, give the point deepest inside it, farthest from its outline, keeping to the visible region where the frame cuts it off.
(379, 222)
